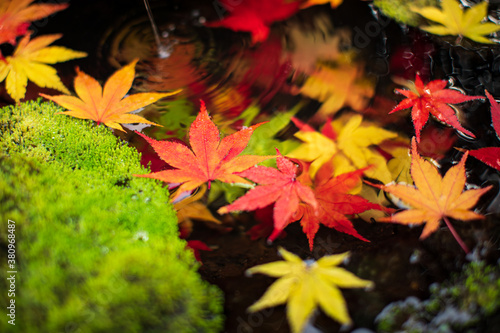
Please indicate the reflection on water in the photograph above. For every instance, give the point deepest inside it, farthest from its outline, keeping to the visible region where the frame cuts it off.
(308, 59)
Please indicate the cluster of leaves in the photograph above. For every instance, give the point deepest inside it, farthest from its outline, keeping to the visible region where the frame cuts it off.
(305, 187)
(318, 176)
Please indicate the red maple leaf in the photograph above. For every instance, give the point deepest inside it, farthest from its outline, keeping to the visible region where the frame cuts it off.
(209, 157)
(196, 246)
(432, 98)
(255, 16)
(334, 203)
(279, 186)
(490, 155)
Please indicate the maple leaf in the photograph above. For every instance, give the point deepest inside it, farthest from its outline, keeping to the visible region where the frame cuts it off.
(434, 99)
(192, 208)
(208, 159)
(453, 20)
(433, 197)
(107, 105)
(305, 285)
(308, 47)
(490, 155)
(279, 186)
(255, 16)
(17, 15)
(196, 246)
(350, 146)
(29, 62)
(338, 86)
(334, 203)
(309, 3)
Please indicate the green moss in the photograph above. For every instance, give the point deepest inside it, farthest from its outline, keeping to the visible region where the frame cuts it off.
(400, 10)
(97, 249)
(483, 286)
(456, 305)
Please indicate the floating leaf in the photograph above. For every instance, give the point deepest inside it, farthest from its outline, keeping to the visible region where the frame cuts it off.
(279, 186)
(490, 155)
(30, 62)
(349, 141)
(453, 20)
(209, 158)
(334, 203)
(434, 99)
(433, 197)
(17, 15)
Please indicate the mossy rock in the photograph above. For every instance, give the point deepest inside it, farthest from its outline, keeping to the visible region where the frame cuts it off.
(97, 250)
(468, 302)
(400, 11)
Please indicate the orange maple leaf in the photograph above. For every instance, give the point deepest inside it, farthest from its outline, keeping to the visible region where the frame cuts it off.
(434, 197)
(209, 157)
(16, 16)
(108, 105)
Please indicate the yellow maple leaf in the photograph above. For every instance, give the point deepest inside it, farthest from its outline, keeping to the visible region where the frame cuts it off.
(305, 285)
(108, 105)
(433, 197)
(192, 208)
(333, 3)
(29, 62)
(352, 148)
(453, 20)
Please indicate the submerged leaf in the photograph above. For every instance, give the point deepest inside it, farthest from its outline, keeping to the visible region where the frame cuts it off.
(333, 3)
(254, 16)
(338, 86)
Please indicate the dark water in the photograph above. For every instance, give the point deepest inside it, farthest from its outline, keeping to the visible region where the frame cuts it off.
(229, 74)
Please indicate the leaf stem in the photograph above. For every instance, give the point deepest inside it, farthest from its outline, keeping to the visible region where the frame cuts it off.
(455, 234)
